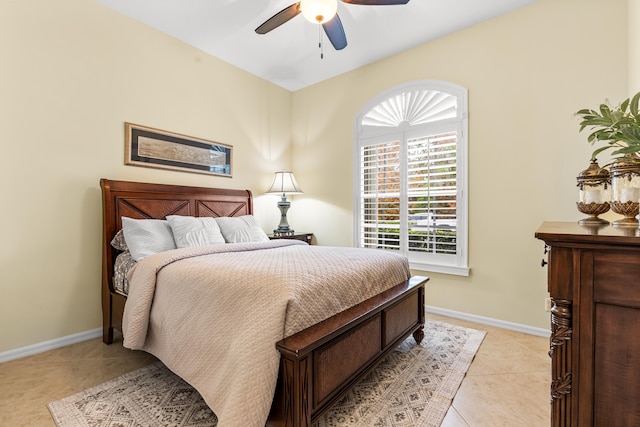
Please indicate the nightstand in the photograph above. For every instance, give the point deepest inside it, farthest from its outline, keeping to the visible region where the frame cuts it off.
(305, 237)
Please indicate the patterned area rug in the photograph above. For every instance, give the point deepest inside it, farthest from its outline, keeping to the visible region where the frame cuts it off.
(413, 386)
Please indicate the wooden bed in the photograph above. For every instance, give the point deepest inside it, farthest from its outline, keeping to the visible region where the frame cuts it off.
(318, 365)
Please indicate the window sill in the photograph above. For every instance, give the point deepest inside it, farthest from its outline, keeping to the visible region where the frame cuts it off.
(435, 268)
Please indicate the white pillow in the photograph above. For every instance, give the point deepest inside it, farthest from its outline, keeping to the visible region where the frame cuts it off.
(191, 231)
(146, 237)
(241, 229)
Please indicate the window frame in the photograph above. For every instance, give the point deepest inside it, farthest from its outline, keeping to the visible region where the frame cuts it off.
(365, 135)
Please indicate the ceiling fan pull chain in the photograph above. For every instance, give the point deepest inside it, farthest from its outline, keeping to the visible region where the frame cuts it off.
(320, 41)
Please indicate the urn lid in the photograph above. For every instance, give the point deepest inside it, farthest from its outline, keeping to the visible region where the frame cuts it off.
(594, 172)
(626, 165)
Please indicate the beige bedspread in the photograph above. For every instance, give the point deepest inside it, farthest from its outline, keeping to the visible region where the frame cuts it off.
(213, 314)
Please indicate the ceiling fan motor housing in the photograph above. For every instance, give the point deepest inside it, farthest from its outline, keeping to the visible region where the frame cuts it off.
(318, 11)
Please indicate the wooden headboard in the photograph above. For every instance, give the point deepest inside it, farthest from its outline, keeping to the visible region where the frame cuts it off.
(156, 201)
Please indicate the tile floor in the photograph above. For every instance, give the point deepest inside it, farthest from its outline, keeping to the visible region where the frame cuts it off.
(507, 383)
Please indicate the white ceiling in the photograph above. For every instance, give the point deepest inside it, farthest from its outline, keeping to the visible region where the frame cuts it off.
(289, 56)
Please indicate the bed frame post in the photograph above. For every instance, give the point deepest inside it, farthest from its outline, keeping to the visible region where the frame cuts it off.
(292, 403)
(107, 261)
(301, 411)
(107, 329)
(418, 335)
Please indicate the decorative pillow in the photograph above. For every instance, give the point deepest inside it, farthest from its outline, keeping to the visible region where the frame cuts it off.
(191, 231)
(124, 263)
(241, 229)
(146, 237)
(118, 241)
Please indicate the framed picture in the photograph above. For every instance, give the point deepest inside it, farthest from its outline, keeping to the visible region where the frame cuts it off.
(154, 148)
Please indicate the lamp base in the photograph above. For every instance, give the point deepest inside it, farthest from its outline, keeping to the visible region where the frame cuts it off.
(283, 228)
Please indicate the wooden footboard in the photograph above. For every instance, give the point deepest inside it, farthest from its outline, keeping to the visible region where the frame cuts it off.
(320, 364)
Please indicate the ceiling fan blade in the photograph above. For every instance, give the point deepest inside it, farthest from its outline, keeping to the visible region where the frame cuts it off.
(279, 18)
(335, 32)
(376, 2)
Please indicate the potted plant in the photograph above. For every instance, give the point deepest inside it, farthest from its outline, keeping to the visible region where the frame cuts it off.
(616, 126)
(619, 129)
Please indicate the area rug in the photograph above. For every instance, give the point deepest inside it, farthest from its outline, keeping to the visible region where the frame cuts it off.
(413, 386)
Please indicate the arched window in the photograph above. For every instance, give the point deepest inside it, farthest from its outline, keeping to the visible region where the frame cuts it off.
(411, 175)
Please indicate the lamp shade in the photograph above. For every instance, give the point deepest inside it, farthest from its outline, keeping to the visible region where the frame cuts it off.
(285, 183)
(318, 11)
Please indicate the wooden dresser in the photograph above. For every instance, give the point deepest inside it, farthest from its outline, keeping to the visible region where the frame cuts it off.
(594, 282)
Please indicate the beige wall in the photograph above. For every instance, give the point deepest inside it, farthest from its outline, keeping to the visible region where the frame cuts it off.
(634, 46)
(527, 72)
(71, 73)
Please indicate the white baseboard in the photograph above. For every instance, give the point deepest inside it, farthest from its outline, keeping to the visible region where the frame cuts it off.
(531, 330)
(95, 333)
(49, 345)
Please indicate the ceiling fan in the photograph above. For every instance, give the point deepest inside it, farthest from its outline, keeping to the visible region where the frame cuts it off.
(322, 12)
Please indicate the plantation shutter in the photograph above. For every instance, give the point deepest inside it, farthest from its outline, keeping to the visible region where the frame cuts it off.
(432, 193)
(380, 190)
(410, 177)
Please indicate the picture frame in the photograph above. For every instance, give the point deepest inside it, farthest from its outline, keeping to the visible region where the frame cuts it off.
(149, 147)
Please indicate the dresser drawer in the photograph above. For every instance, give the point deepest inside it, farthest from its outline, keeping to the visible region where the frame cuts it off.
(616, 278)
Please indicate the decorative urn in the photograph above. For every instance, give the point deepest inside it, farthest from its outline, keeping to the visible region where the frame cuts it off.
(625, 179)
(595, 192)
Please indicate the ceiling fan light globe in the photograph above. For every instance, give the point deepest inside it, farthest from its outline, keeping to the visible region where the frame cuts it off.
(318, 11)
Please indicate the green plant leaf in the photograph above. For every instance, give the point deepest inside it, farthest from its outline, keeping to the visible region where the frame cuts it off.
(625, 150)
(633, 106)
(631, 135)
(624, 105)
(617, 116)
(596, 121)
(599, 150)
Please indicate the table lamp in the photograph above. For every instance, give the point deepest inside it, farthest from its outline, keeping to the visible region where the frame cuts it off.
(284, 183)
